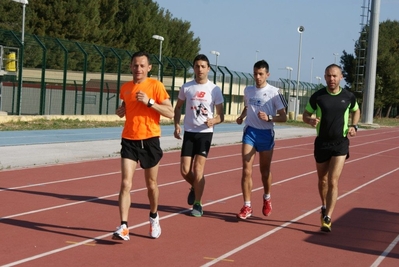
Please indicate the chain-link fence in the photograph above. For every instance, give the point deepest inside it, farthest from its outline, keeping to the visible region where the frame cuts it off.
(51, 76)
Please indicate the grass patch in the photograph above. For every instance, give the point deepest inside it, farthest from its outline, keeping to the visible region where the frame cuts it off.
(45, 124)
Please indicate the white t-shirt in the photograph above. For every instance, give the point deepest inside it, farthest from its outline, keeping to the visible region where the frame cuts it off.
(200, 104)
(266, 99)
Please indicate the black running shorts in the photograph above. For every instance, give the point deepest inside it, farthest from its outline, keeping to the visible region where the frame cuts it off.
(325, 149)
(196, 144)
(147, 151)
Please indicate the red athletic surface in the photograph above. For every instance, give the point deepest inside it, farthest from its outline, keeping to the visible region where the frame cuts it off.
(64, 215)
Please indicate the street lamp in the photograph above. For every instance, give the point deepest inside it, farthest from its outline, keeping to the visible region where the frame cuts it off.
(311, 70)
(160, 38)
(289, 69)
(20, 80)
(256, 55)
(24, 3)
(217, 54)
(319, 79)
(335, 57)
(300, 29)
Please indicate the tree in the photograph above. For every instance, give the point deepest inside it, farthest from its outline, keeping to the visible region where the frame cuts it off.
(387, 79)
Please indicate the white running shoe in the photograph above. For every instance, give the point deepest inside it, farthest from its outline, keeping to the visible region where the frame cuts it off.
(121, 233)
(155, 228)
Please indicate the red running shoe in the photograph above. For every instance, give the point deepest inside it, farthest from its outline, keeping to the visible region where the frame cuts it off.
(267, 207)
(245, 212)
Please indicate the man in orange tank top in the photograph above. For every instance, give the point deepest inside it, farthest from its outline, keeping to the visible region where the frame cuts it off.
(144, 100)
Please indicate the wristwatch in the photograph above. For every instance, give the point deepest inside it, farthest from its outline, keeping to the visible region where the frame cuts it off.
(354, 126)
(269, 117)
(150, 102)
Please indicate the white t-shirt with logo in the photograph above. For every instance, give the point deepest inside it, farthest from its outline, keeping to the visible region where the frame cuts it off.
(266, 99)
(200, 104)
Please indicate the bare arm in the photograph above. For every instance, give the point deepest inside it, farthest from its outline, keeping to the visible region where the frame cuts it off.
(307, 118)
(164, 108)
(121, 111)
(219, 118)
(176, 118)
(282, 116)
(241, 118)
(355, 121)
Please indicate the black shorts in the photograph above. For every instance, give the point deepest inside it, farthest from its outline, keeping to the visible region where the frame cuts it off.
(325, 149)
(196, 144)
(147, 151)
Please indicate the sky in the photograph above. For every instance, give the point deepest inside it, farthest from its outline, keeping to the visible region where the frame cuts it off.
(237, 29)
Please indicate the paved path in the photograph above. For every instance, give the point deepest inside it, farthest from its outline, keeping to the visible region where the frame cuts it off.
(46, 147)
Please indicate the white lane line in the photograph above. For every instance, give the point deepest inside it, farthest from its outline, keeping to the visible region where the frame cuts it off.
(183, 211)
(261, 237)
(386, 252)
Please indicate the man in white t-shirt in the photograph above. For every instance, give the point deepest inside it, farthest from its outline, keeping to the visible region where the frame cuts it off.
(202, 97)
(264, 105)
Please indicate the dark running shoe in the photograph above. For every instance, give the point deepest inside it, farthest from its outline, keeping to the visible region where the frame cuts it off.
(197, 210)
(322, 214)
(326, 224)
(191, 197)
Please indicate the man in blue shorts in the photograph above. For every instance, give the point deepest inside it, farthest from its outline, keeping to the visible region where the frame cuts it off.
(264, 105)
(204, 109)
(332, 105)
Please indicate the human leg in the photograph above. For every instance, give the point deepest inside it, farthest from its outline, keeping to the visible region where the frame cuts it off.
(322, 173)
(265, 159)
(248, 153)
(335, 169)
(329, 173)
(186, 160)
(151, 175)
(128, 167)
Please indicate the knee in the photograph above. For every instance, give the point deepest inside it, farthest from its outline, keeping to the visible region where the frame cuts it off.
(126, 185)
(152, 185)
(185, 171)
(246, 173)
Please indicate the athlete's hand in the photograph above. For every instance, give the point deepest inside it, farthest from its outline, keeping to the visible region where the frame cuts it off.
(210, 122)
(263, 116)
(121, 111)
(142, 97)
(239, 120)
(177, 132)
(314, 121)
(352, 131)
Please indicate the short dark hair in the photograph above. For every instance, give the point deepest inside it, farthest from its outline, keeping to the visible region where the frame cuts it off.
(262, 64)
(333, 66)
(141, 54)
(201, 57)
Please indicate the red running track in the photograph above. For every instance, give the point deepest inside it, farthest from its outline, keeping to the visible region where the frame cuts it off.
(64, 215)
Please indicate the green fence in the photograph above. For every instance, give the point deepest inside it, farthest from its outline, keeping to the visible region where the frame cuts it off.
(61, 77)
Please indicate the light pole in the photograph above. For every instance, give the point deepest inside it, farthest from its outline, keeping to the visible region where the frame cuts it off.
(24, 3)
(20, 67)
(256, 55)
(311, 70)
(335, 57)
(300, 29)
(217, 54)
(319, 79)
(289, 69)
(160, 38)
